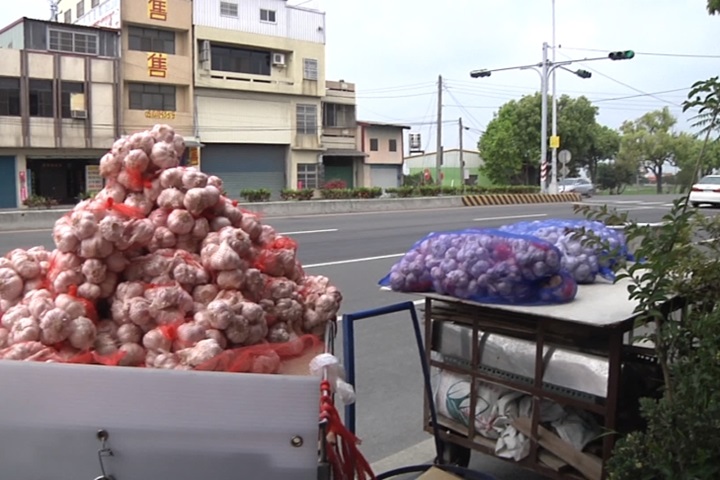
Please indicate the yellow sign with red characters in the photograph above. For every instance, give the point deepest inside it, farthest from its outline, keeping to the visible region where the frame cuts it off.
(157, 10)
(157, 64)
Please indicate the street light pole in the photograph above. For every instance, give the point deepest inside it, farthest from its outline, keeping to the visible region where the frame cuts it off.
(545, 69)
(543, 121)
(553, 168)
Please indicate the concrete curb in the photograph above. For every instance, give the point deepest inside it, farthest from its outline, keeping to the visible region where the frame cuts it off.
(518, 198)
(45, 219)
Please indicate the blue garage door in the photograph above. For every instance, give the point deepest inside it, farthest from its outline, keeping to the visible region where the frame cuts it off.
(246, 166)
(8, 186)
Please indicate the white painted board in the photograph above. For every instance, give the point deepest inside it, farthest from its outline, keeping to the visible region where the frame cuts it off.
(162, 424)
(602, 304)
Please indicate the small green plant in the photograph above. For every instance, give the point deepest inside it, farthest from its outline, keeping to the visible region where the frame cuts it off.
(257, 195)
(37, 201)
(366, 192)
(303, 194)
(429, 190)
(336, 193)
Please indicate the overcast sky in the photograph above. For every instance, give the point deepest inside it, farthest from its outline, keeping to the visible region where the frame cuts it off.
(395, 49)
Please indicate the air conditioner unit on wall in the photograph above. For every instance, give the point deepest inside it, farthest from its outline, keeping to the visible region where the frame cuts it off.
(81, 114)
(278, 59)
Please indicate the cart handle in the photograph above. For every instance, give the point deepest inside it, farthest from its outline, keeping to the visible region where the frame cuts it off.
(349, 361)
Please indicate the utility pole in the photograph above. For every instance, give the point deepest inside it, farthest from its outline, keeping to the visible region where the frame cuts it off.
(543, 121)
(462, 156)
(553, 167)
(439, 152)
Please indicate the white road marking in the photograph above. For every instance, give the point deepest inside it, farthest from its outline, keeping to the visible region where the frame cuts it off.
(487, 219)
(39, 230)
(353, 260)
(420, 453)
(302, 232)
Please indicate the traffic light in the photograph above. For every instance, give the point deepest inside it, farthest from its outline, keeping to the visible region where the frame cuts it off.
(480, 73)
(624, 55)
(583, 74)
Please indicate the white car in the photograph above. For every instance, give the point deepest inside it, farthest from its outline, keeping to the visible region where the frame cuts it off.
(707, 190)
(576, 185)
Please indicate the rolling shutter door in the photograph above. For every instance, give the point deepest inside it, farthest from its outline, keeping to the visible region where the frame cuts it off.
(246, 166)
(385, 176)
(8, 190)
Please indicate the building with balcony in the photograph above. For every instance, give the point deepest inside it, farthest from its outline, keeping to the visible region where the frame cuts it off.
(156, 81)
(59, 100)
(259, 82)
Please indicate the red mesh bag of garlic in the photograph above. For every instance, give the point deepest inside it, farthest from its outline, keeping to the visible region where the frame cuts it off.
(161, 270)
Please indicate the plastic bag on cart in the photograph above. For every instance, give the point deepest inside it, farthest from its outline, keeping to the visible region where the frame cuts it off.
(484, 265)
(589, 248)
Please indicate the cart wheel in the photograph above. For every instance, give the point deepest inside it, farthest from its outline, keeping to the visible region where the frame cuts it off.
(454, 454)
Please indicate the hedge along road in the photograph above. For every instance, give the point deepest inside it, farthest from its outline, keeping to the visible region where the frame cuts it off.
(355, 251)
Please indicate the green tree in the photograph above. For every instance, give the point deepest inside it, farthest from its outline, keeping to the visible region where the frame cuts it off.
(614, 176)
(605, 146)
(649, 142)
(713, 7)
(510, 146)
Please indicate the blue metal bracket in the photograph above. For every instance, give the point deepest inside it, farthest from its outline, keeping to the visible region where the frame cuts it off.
(348, 324)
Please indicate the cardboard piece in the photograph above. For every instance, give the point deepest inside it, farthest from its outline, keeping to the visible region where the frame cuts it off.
(589, 465)
(436, 474)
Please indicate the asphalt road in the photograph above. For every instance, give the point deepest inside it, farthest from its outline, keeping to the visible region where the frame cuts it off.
(355, 251)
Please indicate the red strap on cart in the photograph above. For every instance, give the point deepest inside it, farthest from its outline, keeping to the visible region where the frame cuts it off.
(347, 462)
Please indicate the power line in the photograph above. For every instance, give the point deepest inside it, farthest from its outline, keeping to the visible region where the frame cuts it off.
(640, 95)
(625, 84)
(653, 54)
(371, 97)
(476, 87)
(410, 86)
(462, 109)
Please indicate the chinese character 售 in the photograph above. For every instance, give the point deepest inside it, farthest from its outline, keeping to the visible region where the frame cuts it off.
(157, 9)
(157, 65)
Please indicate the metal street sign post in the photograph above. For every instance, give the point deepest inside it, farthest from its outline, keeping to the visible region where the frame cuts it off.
(564, 157)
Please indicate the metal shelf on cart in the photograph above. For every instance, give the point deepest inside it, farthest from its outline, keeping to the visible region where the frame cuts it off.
(456, 433)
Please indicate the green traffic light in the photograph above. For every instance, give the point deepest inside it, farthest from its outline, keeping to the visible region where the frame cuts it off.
(629, 54)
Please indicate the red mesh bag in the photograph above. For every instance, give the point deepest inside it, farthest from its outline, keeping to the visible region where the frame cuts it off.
(261, 358)
(90, 309)
(278, 258)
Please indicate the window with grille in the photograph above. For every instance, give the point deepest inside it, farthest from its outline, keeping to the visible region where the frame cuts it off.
(308, 175)
(68, 16)
(72, 42)
(268, 16)
(80, 8)
(228, 9)
(373, 144)
(392, 145)
(151, 40)
(152, 96)
(10, 96)
(94, 3)
(40, 98)
(310, 69)
(306, 119)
